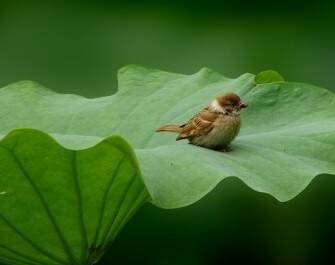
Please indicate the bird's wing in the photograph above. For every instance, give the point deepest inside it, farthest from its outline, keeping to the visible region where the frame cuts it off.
(200, 124)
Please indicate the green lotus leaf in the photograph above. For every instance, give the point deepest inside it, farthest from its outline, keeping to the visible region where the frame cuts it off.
(60, 206)
(268, 76)
(287, 138)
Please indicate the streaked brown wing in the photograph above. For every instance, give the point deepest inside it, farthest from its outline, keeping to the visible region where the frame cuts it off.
(200, 124)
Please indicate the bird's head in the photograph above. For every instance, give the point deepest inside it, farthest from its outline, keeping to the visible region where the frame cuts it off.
(228, 103)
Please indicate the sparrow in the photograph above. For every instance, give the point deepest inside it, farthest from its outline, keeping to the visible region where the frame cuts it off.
(215, 127)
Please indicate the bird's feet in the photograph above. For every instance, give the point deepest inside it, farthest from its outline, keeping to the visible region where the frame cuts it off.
(226, 149)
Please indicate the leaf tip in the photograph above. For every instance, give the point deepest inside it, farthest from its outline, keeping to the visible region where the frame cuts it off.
(25, 86)
(130, 67)
(268, 76)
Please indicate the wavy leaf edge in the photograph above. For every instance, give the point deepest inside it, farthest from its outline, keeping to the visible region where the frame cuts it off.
(277, 78)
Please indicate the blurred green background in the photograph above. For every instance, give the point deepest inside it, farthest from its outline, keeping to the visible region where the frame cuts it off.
(77, 47)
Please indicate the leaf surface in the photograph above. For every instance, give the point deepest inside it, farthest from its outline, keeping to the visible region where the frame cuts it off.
(59, 206)
(287, 138)
(268, 76)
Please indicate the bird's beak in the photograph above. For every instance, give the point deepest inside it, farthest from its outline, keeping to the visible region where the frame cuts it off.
(243, 105)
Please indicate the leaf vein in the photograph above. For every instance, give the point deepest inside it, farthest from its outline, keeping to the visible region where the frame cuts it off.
(119, 206)
(80, 207)
(25, 259)
(29, 241)
(45, 206)
(104, 202)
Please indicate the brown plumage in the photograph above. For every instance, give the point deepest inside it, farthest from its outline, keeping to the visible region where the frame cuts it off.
(215, 126)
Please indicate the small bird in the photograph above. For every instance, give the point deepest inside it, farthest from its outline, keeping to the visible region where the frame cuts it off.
(215, 127)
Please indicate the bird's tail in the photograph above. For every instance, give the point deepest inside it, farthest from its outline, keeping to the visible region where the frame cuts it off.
(170, 128)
